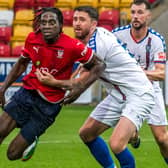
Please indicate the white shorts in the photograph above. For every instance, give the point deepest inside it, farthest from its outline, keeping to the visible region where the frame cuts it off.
(136, 108)
(158, 114)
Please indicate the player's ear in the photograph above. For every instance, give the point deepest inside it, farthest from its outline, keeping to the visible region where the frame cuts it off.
(94, 24)
(149, 16)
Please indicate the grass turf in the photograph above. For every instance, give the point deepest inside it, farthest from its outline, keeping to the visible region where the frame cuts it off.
(60, 146)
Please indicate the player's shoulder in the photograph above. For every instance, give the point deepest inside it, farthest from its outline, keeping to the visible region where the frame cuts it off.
(155, 35)
(34, 37)
(121, 28)
(103, 33)
(157, 38)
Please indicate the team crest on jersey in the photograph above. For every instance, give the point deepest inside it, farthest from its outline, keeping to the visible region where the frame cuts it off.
(60, 53)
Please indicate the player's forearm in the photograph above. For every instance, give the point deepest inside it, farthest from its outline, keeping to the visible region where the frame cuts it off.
(18, 68)
(88, 77)
(155, 75)
(67, 84)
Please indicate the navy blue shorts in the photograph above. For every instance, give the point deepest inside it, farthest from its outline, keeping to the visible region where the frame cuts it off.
(31, 112)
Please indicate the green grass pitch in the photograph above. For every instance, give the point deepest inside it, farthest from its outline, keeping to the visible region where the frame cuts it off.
(60, 146)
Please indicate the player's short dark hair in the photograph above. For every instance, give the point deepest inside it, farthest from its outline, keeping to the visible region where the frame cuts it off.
(39, 12)
(92, 12)
(139, 2)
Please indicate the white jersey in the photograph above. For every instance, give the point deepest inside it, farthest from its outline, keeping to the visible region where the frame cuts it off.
(122, 72)
(130, 91)
(147, 52)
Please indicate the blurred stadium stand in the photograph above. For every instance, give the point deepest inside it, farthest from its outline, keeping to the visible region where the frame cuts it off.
(16, 21)
(16, 17)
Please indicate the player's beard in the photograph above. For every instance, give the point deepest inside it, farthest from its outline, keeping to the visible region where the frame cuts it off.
(82, 35)
(139, 26)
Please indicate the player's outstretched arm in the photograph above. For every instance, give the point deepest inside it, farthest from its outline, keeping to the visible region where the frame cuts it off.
(18, 68)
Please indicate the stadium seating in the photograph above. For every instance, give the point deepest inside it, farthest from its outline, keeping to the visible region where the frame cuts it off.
(125, 16)
(16, 51)
(93, 3)
(6, 18)
(5, 34)
(20, 32)
(43, 3)
(23, 4)
(109, 19)
(6, 4)
(125, 3)
(66, 4)
(24, 16)
(108, 3)
(68, 17)
(4, 50)
(69, 31)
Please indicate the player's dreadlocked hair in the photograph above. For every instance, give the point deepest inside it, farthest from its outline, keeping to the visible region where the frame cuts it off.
(39, 12)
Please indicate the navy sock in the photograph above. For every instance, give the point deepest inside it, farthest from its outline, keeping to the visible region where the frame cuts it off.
(126, 159)
(100, 151)
(166, 160)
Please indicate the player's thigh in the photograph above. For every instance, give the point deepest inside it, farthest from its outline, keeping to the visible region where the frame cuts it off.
(123, 131)
(40, 120)
(108, 111)
(7, 124)
(159, 131)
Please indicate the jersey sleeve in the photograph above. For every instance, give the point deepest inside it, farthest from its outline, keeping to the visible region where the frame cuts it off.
(160, 52)
(82, 53)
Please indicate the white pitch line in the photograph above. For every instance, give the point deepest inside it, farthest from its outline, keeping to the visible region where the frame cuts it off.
(69, 142)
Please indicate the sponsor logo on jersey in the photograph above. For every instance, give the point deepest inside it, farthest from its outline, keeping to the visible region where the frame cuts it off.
(52, 71)
(36, 49)
(161, 56)
(84, 51)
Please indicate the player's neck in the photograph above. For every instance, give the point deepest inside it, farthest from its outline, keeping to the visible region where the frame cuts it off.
(87, 38)
(140, 34)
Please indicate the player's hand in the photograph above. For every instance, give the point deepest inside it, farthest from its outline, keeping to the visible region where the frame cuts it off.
(73, 93)
(44, 77)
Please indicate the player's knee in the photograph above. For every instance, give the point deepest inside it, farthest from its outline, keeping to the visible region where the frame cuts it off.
(115, 146)
(162, 139)
(13, 154)
(82, 134)
(85, 135)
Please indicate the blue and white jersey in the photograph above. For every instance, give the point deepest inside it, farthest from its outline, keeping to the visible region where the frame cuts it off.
(147, 52)
(122, 72)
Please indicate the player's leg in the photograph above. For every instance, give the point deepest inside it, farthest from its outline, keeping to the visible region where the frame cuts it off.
(16, 147)
(89, 134)
(161, 136)
(42, 117)
(134, 113)
(7, 124)
(100, 119)
(157, 121)
(123, 131)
